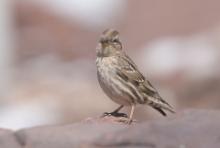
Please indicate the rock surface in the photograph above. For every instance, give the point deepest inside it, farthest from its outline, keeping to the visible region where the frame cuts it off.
(8, 139)
(189, 129)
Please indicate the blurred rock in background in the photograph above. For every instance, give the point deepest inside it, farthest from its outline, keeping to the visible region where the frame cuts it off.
(48, 71)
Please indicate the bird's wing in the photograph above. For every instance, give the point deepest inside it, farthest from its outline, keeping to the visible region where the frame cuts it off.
(128, 68)
(129, 72)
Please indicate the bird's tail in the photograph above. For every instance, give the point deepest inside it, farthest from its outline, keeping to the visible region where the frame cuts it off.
(154, 99)
(160, 105)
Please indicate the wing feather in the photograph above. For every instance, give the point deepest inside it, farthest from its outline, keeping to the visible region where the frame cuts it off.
(129, 72)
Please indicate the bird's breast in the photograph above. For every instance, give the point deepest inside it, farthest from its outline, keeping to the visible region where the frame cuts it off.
(106, 70)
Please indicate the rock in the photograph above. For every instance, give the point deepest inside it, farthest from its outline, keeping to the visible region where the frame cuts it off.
(66, 136)
(191, 129)
(188, 129)
(8, 139)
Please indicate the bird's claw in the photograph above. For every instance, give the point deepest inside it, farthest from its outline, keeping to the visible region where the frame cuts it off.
(115, 114)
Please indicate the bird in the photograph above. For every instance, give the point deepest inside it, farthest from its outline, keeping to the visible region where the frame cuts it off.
(121, 80)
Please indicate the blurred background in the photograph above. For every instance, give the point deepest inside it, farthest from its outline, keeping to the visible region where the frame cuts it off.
(47, 56)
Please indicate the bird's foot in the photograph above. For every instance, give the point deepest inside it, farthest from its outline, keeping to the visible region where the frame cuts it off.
(129, 121)
(115, 114)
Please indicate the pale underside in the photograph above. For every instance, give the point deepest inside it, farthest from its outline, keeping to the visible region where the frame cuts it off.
(112, 84)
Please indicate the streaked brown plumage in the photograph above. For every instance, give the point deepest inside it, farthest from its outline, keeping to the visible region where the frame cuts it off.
(120, 78)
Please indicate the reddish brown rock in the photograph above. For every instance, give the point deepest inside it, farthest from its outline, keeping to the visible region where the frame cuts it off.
(190, 129)
(66, 136)
(8, 139)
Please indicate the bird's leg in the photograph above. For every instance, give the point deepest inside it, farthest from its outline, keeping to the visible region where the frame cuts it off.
(116, 113)
(131, 114)
(118, 109)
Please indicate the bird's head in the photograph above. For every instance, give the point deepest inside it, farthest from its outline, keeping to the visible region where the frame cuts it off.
(109, 44)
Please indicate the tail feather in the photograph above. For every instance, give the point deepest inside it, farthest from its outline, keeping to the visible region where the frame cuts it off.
(153, 98)
(159, 104)
(160, 110)
(170, 109)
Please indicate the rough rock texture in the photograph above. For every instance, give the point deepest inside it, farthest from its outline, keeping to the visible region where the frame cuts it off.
(8, 139)
(189, 129)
